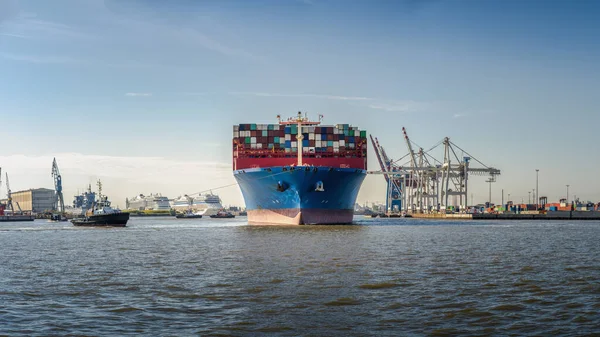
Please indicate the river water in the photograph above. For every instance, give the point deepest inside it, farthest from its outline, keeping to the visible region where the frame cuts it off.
(393, 277)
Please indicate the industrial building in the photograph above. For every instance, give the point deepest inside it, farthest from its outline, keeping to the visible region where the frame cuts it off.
(35, 200)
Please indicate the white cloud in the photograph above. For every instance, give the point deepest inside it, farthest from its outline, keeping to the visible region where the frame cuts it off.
(42, 59)
(458, 115)
(14, 35)
(122, 177)
(400, 106)
(138, 94)
(28, 25)
(332, 97)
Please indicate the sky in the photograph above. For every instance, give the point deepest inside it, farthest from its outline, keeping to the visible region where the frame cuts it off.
(143, 93)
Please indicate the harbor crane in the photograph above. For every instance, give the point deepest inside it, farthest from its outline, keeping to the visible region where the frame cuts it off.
(9, 202)
(59, 202)
(427, 183)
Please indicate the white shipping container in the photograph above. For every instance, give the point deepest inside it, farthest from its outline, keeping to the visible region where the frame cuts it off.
(342, 142)
(294, 144)
(281, 140)
(236, 134)
(351, 145)
(248, 133)
(259, 146)
(317, 143)
(336, 131)
(276, 127)
(236, 128)
(311, 149)
(311, 129)
(336, 144)
(288, 136)
(305, 150)
(253, 146)
(336, 150)
(318, 136)
(311, 136)
(288, 150)
(253, 140)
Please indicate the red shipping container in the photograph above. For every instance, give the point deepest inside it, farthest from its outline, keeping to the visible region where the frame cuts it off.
(311, 143)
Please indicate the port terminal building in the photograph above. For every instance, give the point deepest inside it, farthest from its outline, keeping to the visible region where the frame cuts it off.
(36, 200)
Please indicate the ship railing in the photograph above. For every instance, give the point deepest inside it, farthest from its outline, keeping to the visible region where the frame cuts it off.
(269, 154)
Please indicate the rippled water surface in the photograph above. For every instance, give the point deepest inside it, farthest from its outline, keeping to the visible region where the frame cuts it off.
(379, 277)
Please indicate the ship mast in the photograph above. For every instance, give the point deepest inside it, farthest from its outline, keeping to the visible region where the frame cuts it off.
(299, 137)
(300, 121)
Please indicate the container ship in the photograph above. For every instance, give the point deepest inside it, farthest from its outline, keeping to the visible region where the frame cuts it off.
(298, 171)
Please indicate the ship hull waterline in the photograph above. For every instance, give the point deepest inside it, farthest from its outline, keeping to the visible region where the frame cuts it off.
(104, 220)
(302, 195)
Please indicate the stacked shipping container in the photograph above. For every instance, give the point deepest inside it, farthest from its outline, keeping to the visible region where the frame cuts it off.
(251, 140)
(270, 145)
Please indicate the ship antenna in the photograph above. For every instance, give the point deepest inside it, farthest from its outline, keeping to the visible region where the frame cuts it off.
(99, 188)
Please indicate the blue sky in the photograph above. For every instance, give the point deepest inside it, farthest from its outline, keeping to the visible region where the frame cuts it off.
(515, 83)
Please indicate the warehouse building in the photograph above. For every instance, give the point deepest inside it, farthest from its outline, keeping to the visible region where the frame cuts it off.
(35, 200)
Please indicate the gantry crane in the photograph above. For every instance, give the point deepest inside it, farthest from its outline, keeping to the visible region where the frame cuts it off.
(428, 185)
(59, 202)
(393, 203)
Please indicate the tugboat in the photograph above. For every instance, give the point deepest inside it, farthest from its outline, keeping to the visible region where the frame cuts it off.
(102, 214)
(188, 215)
(222, 215)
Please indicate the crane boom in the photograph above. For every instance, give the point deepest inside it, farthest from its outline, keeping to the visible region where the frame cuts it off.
(59, 202)
(9, 203)
(378, 153)
(413, 159)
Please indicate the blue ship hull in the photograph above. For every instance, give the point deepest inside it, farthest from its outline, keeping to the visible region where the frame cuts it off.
(300, 195)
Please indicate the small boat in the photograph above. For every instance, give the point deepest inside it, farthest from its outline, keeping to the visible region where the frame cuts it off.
(188, 215)
(102, 214)
(58, 217)
(222, 215)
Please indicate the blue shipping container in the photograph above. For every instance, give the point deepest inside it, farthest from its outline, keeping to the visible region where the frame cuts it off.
(288, 144)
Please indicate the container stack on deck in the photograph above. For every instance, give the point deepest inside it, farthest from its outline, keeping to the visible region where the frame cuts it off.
(253, 141)
(317, 139)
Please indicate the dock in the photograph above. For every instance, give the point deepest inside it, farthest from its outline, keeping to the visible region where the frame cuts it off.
(10, 218)
(551, 215)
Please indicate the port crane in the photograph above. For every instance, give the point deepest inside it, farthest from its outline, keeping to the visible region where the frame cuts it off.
(9, 202)
(428, 183)
(392, 177)
(59, 202)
